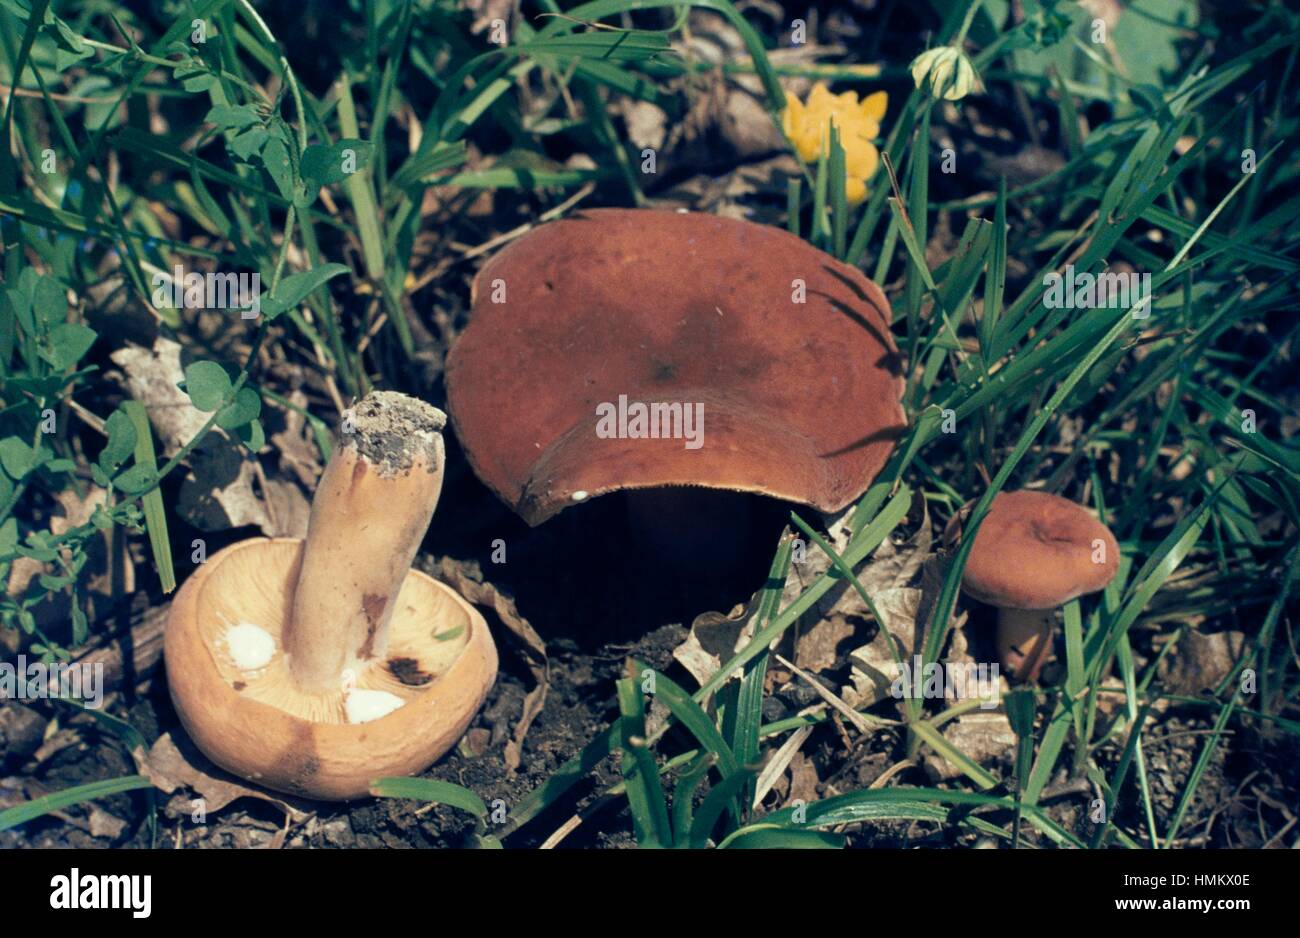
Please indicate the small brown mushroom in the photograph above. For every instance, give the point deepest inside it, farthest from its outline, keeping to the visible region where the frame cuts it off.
(1034, 552)
(649, 350)
(313, 667)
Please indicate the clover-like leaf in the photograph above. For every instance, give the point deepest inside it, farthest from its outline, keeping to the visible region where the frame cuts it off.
(19, 459)
(137, 479)
(326, 164)
(207, 384)
(121, 441)
(226, 117)
(245, 407)
(68, 342)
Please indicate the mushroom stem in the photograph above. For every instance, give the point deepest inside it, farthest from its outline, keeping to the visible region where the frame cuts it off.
(1024, 639)
(371, 509)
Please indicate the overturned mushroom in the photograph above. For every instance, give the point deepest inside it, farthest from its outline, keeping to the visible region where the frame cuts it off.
(1034, 552)
(313, 667)
(647, 350)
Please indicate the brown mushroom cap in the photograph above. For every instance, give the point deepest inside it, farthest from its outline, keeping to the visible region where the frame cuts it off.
(800, 400)
(1038, 551)
(440, 661)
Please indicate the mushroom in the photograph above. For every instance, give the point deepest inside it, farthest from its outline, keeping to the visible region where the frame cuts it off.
(1032, 553)
(314, 666)
(721, 353)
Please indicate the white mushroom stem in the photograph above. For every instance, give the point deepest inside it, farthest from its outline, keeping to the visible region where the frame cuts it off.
(1024, 639)
(371, 509)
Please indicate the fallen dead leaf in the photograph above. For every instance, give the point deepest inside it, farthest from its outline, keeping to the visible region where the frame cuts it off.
(984, 735)
(295, 445)
(1199, 662)
(172, 763)
(467, 580)
(713, 639)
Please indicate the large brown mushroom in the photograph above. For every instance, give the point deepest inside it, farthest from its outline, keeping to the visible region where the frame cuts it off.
(651, 350)
(313, 667)
(1032, 553)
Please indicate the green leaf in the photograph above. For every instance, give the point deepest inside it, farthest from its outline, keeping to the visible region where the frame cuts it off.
(295, 288)
(9, 535)
(327, 164)
(69, 48)
(81, 628)
(693, 717)
(772, 837)
(613, 45)
(18, 459)
(715, 803)
(121, 441)
(275, 157)
(136, 479)
(194, 76)
(427, 789)
(37, 807)
(68, 342)
(49, 302)
(645, 794)
(246, 406)
(207, 384)
(155, 515)
(249, 143)
(253, 436)
(198, 82)
(233, 118)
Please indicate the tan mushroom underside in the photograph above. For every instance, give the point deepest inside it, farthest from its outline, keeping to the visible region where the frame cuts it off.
(312, 752)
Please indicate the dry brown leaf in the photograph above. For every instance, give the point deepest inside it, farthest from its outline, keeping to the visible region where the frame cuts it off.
(296, 446)
(984, 735)
(715, 638)
(467, 580)
(861, 723)
(817, 648)
(841, 612)
(774, 771)
(1199, 662)
(171, 764)
(804, 783)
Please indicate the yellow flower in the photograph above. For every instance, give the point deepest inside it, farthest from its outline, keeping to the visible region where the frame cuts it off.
(808, 125)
